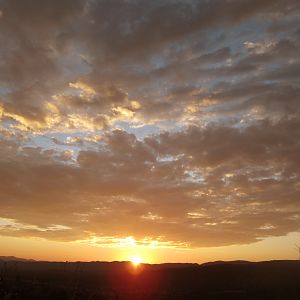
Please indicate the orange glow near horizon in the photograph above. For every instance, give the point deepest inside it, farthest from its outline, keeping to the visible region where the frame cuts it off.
(41, 249)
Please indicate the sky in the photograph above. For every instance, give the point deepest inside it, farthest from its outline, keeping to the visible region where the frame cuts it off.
(168, 130)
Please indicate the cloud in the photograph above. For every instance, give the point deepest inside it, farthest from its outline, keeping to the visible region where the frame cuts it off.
(114, 46)
(233, 182)
(221, 166)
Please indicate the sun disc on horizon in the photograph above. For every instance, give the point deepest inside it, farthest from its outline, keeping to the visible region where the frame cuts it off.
(136, 260)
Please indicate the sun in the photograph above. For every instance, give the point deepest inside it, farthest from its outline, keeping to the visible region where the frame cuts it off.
(136, 260)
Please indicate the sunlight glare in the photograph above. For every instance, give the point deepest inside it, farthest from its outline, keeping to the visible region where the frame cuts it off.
(136, 260)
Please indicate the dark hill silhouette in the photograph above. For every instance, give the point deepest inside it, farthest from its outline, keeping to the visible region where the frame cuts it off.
(218, 262)
(120, 280)
(13, 258)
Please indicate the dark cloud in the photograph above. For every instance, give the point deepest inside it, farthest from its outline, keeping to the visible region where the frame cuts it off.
(45, 43)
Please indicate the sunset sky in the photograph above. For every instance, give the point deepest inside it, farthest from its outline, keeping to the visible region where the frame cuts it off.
(163, 129)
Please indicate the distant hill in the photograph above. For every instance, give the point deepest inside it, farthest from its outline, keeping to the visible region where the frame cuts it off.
(13, 258)
(220, 262)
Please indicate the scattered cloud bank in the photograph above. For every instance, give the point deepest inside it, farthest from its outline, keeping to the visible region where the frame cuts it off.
(172, 122)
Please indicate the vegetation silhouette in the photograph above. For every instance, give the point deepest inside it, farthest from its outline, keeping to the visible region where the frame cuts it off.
(24, 280)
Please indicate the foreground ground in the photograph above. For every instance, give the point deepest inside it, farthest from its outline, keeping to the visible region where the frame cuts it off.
(24, 280)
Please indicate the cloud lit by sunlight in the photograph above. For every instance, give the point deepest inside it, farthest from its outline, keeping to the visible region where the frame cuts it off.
(119, 133)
